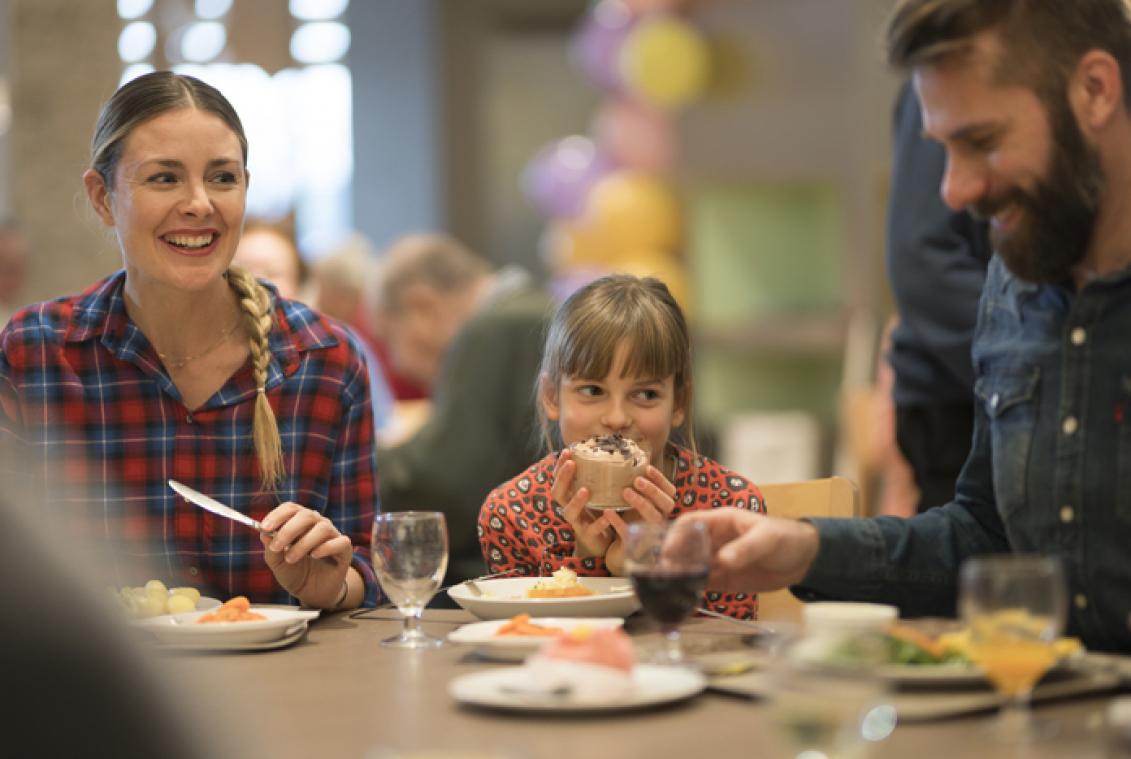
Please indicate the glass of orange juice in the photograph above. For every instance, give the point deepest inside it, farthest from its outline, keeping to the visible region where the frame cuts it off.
(1014, 606)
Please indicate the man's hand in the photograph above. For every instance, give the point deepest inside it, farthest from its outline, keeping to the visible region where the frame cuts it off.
(753, 552)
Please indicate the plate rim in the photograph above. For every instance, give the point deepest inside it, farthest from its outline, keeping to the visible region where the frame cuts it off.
(524, 640)
(281, 619)
(696, 684)
(219, 646)
(459, 591)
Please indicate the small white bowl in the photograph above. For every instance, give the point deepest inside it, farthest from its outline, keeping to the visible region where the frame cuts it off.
(854, 616)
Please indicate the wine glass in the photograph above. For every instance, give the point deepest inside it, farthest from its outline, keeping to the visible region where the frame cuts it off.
(827, 697)
(410, 556)
(1014, 607)
(668, 564)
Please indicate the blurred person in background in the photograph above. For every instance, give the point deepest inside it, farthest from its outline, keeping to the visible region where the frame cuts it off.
(339, 286)
(13, 268)
(268, 251)
(184, 366)
(936, 259)
(336, 289)
(474, 337)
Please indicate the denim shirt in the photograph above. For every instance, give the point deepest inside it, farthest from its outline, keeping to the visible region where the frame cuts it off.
(1049, 469)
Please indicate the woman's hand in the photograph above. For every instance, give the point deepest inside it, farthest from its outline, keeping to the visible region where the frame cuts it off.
(593, 533)
(308, 556)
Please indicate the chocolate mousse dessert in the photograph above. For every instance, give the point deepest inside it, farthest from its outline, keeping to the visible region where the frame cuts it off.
(606, 465)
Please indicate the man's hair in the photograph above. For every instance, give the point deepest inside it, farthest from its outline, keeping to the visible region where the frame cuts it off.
(1042, 40)
(438, 261)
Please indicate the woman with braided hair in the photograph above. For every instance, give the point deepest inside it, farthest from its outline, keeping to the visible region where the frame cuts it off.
(182, 366)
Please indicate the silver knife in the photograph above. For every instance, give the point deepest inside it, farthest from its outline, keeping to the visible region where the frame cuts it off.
(211, 504)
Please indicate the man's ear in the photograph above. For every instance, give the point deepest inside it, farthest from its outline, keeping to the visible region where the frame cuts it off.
(99, 196)
(548, 397)
(1095, 90)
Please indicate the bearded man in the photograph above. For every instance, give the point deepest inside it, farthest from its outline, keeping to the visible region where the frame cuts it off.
(1029, 98)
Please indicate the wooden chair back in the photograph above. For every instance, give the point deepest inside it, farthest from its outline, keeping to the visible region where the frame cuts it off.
(827, 497)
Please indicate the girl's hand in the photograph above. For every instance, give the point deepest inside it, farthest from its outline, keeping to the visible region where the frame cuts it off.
(593, 533)
(308, 556)
(614, 557)
(652, 496)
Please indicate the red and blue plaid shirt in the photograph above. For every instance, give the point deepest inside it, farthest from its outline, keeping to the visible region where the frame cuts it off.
(84, 390)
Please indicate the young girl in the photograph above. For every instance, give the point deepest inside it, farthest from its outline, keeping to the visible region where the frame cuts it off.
(617, 360)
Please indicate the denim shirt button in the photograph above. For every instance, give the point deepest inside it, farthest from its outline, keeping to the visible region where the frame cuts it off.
(1070, 425)
(1067, 514)
(995, 400)
(1081, 601)
(1079, 336)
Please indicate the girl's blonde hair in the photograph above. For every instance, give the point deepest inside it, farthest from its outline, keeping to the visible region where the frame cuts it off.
(592, 323)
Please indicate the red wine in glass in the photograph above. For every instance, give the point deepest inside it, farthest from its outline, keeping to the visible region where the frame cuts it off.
(669, 595)
(668, 564)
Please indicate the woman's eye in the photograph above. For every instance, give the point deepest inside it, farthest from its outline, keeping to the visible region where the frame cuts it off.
(164, 177)
(226, 177)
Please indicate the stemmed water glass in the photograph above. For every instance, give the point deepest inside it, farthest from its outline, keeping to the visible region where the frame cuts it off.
(1014, 607)
(410, 556)
(668, 564)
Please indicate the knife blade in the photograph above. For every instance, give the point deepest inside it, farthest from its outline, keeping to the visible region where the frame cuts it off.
(211, 504)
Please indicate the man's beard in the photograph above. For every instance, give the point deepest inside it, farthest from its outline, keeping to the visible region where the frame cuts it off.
(1057, 219)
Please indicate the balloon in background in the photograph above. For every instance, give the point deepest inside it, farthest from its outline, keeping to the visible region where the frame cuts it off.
(635, 135)
(596, 45)
(566, 283)
(567, 247)
(628, 210)
(664, 61)
(559, 177)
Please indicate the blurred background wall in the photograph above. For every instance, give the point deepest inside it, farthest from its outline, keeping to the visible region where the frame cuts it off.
(389, 116)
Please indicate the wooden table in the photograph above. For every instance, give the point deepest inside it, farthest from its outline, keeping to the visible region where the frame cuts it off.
(340, 694)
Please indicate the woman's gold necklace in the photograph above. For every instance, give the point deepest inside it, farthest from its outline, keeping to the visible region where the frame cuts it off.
(173, 365)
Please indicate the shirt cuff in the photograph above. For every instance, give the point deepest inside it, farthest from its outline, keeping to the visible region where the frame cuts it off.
(369, 577)
(849, 563)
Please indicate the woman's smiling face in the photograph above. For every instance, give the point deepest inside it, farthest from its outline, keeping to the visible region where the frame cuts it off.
(177, 200)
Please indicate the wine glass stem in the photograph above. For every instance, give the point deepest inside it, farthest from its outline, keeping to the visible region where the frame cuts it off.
(673, 651)
(412, 625)
(1016, 715)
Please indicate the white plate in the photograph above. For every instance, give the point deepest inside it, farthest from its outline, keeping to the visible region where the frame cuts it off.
(518, 647)
(220, 645)
(654, 684)
(183, 628)
(957, 673)
(504, 598)
(207, 603)
(933, 674)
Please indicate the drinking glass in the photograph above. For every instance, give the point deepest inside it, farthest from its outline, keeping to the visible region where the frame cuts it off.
(410, 556)
(1014, 607)
(668, 563)
(826, 698)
